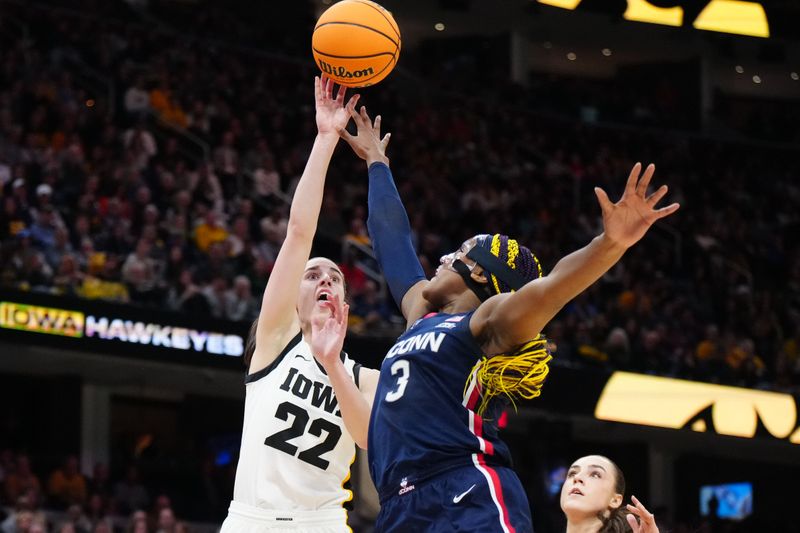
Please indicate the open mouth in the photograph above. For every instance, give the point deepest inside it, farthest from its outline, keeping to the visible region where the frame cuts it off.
(575, 491)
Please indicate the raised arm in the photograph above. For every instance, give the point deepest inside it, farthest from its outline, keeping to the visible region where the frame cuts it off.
(389, 229)
(278, 321)
(355, 403)
(507, 320)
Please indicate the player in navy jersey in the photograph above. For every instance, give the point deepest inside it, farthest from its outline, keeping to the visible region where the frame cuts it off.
(473, 340)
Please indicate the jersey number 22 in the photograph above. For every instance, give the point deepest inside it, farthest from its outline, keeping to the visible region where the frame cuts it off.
(300, 419)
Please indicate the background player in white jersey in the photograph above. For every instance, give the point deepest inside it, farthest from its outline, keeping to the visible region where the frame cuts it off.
(296, 449)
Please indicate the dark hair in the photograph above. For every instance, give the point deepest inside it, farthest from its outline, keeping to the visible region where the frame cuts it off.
(250, 344)
(616, 522)
(519, 258)
(519, 374)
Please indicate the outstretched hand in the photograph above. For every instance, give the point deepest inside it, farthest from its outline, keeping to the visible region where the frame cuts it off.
(327, 334)
(367, 143)
(332, 114)
(626, 221)
(646, 522)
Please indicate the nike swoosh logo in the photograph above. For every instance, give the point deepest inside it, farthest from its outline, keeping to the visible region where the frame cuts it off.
(460, 497)
(301, 357)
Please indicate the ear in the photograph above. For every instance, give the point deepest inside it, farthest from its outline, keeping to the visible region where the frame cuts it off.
(478, 274)
(616, 501)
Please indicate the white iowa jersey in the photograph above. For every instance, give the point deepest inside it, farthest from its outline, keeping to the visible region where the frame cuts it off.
(296, 453)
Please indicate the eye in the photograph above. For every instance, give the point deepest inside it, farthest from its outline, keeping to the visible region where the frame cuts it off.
(312, 275)
(596, 474)
(571, 473)
(335, 279)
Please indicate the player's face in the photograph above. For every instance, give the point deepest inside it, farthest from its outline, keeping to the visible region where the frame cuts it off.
(447, 281)
(321, 289)
(589, 488)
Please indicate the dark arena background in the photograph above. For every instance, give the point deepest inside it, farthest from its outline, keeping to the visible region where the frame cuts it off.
(148, 153)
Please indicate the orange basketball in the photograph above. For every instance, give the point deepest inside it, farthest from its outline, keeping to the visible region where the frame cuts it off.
(356, 43)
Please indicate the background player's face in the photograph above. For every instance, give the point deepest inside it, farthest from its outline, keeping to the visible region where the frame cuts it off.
(589, 488)
(321, 285)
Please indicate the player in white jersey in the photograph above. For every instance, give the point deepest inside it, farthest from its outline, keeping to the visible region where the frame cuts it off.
(296, 448)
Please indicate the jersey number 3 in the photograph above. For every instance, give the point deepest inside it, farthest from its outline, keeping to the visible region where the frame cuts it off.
(300, 418)
(402, 368)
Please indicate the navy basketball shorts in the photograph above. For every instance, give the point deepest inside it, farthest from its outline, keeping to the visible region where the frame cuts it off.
(476, 498)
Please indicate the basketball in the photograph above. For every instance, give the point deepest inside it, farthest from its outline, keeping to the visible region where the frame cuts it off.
(356, 43)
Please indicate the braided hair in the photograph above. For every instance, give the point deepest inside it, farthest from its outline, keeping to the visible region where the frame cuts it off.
(519, 374)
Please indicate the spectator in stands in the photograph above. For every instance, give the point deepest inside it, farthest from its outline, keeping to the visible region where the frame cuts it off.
(137, 523)
(43, 230)
(137, 100)
(211, 230)
(240, 303)
(67, 485)
(129, 493)
(139, 273)
(370, 313)
(78, 519)
(21, 480)
(141, 145)
(166, 521)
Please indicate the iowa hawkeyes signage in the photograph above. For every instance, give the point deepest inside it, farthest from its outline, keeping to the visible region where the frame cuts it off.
(104, 327)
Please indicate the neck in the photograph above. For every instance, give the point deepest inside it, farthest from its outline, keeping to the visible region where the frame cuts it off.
(589, 524)
(461, 303)
(305, 327)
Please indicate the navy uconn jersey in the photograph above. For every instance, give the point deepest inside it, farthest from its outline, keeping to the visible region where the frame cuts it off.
(423, 419)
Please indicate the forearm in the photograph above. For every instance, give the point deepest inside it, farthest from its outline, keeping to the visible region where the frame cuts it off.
(305, 212)
(390, 233)
(579, 270)
(518, 317)
(353, 405)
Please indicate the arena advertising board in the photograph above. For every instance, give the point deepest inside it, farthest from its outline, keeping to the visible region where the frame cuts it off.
(669, 403)
(110, 328)
(741, 17)
(703, 407)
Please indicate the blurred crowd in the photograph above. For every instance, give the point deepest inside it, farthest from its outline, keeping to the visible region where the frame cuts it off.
(174, 193)
(67, 501)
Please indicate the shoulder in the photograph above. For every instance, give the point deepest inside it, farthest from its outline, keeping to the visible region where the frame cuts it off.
(255, 373)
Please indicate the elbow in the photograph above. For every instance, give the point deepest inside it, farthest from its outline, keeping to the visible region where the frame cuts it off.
(299, 230)
(362, 442)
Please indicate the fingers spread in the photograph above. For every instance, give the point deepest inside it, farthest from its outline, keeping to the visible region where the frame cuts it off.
(654, 198)
(341, 93)
(602, 198)
(667, 211)
(641, 187)
(633, 177)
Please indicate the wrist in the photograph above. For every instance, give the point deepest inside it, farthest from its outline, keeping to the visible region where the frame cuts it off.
(610, 244)
(332, 366)
(328, 137)
(377, 158)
